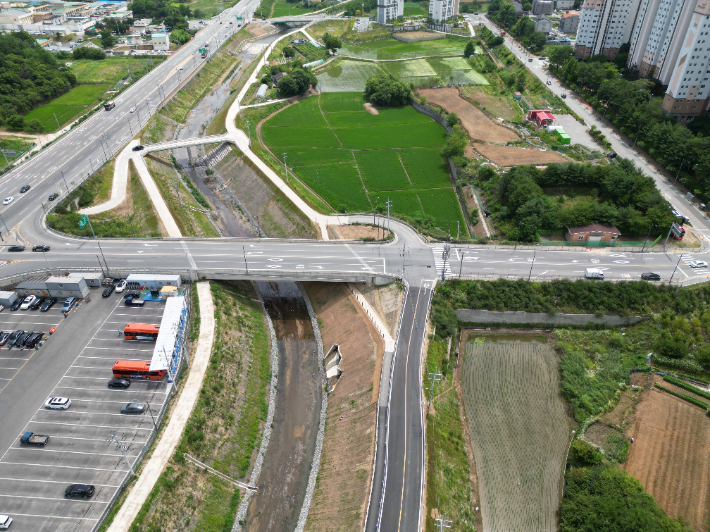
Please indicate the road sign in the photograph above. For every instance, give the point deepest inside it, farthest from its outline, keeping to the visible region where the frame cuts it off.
(83, 221)
(239, 18)
(202, 50)
(149, 62)
(9, 153)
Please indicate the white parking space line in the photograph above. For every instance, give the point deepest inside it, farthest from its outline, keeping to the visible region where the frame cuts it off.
(113, 391)
(113, 348)
(51, 499)
(114, 427)
(64, 452)
(56, 482)
(101, 414)
(57, 516)
(89, 439)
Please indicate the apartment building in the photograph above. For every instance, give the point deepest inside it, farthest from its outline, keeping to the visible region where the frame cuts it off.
(388, 10)
(569, 23)
(604, 26)
(443, 10)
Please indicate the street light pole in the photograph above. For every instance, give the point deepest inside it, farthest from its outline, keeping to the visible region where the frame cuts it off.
(65, 181)
(674, 269)
(531, 265)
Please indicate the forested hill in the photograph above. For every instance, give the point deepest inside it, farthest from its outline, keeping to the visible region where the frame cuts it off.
(29, 75)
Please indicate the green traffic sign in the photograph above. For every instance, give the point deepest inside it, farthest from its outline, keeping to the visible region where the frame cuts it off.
(83, 221)
(202, 50)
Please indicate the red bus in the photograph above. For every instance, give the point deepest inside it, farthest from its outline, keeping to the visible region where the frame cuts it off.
(136, 369)
(141, 331)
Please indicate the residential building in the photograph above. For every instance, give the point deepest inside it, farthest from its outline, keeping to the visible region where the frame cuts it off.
(569, 23)
(161, 41)
(443, 10)
(543, 24)
(604, 26)
(565, 4)
(518, 8)
(541, 117)
(141, 25)
(388, 10)
(543, 7)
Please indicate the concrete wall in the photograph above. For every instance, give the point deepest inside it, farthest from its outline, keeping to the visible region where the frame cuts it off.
(542, 318)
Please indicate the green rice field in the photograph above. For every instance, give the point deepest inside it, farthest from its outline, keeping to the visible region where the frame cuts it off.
(355, 160)
(346, 76)
(67, 106)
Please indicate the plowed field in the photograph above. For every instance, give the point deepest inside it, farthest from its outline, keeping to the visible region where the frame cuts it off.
(509, 156)
(670, 455)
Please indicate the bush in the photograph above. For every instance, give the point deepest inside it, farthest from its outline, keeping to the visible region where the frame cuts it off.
(289, 52)
(583, 454)
(452, 119)
(88, 53)
(703, 356)
(692, 400)
(671, 347)
(686, 366)
(385, 90)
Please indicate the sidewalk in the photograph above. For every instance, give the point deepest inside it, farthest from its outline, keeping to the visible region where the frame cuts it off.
(173, 433)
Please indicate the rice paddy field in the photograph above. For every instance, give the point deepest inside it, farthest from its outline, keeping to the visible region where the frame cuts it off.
(355, 160)
(518, 431)
(394, 49)
(67, 106)
(346, 76)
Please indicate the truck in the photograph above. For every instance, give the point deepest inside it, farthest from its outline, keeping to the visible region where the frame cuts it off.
(594, 273)
(30, 438)
(502, 33)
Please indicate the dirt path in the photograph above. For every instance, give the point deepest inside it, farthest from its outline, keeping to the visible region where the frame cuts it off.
(287, 463)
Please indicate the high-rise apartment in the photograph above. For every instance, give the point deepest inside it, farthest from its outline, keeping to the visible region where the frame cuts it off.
(443, 10)
(604, 26)
(388, 10)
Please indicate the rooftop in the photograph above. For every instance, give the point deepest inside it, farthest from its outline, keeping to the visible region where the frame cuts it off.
(594, 228)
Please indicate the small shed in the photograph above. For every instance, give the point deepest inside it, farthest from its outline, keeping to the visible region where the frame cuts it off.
(592, 233)
(34, 286)
(517, 96)
(91, 278)
(168, 291)
(67, 287)
(7, 298)
(278, 76)
(541, 117)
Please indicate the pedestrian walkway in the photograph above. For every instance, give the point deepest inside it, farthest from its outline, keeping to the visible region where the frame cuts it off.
(173, 433)
(441, 262)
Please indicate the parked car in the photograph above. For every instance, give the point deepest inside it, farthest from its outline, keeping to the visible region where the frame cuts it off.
(5, 522)
(16, 248)
(24, 189)
(68, 304)
(52, 197)
(117, 382)
(27, 302)
(137, 148)
(611, 155)
(34, 339)
(698, 264)
(15, 336)
(132, 293)
(30, 438)
(84, 491)
(133, 408)
(549, 82)
(37, 303)
(57, 403)
(108, 291)
(8, 200)
(23, 338)
(48, 304)
(132, 110)
(134, 301)
(650, 276)
(16, 305)
(41, 247)
(4, 337)
(121, 286)
(2, 307)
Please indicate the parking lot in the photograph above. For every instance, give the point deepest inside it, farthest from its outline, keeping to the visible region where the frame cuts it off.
(81, 449)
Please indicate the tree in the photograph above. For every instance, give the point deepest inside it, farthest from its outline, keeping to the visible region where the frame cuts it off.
(289, 52)
(386, 91)
(34, 126)
(671, 346)
(88, 53)
(179, 37)
(560, 54)
(107, 40)
(15, 122)
(452, 119)
(331, 42)
(456, 143)
(469, 50)
(297, 82)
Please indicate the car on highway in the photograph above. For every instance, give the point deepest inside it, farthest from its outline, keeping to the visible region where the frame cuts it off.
(16, 248)
(133, 408)
(530, 60)
(8, 200)
(108, 291)
(48, 304)
(24, 189)
(132, 110)
(27, 302)
(57, 403)
(698, 264)
(5, 521)
(52, 197)
(134, 301)
(37, 304)
(121, 286)
(16, 305)
(117, 382)
(181, 68)
(75, 491)
(650, 276)
(68, 304)
(41, 247)
(137, 148)
(4, 337)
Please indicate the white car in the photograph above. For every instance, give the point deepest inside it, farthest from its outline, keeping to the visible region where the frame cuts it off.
(121, 286)
(27, 302)
(133, 110)
(57, 403)
(5, 522)
(698, 264)
(9, 200)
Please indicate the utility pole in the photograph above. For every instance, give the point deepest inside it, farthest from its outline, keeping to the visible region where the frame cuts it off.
(648, 235)
(121, 446)
(389, 204)
(532, 264)
(92, 232)
(65, 181)
(48, 266)
(667, 237)
(55, 117)
(246, 266)
(457, 230)
(285, 167)
(373, 210)
(674, 269)
(443, 523)
(433, 377)
(461, 267)
(249, 132)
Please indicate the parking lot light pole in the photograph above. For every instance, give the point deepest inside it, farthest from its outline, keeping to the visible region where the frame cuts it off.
(151, 413)
(48, 266)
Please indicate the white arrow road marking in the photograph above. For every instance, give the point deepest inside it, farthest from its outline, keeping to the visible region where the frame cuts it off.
(621, 261)
(595, 261)
(273, 265)
(275, 260)
(300, 266)
(141, 251)
(151, 245)
(471, 258)
(621, 255)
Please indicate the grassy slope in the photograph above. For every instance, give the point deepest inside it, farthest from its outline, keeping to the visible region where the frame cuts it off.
(111, 69)
(67, 106)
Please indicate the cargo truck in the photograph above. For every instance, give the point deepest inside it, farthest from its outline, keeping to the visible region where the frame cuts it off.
(594, 273)
(30, 438)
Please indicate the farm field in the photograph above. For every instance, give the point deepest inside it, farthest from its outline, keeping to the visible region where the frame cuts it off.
(282, 9)
(510, 156)
(346, 76)
(350, 157)
(67, 106)
(669, 455)
(394, 49)
(111, 69)
(496, 104)
(518, 430)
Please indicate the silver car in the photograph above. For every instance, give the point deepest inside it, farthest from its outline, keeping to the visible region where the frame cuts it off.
(57, 403)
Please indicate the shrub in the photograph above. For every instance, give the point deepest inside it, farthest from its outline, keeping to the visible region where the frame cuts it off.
(89, 53)
(703, 356)
(672, 347)
(692, 400)
(584, 454)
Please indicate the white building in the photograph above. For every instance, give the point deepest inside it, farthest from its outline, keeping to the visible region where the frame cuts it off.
(604, 26)
(161, 41)
(141, 25)
(15, 16)
(443, 10)
(388, 10)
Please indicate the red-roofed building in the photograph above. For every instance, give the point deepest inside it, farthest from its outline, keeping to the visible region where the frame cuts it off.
(592, 233)
(542, 118)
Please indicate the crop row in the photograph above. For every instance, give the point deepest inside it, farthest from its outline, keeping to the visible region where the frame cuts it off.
(686, 386)
(692, 400)
(685, 365)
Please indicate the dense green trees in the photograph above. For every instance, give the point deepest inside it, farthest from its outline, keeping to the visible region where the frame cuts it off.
(179, 37)
(87, 53)
(386, 91)
(524, 32)
(503, 13)
(173, 15)
(469, 50)
(456, 142)
(332, 42)
(296, 82)
(29, 75)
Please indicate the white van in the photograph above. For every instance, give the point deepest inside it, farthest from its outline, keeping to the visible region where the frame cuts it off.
(594, 273)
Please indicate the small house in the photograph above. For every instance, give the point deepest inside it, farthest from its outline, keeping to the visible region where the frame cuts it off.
(592, 233)
(541, 117)
(517, 96)
(160, 41)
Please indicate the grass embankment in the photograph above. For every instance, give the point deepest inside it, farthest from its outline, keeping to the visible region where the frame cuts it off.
(20, 145)
(448, 487)
(333, 27)
(224, 426)
(112, 69)
(58, 112)
(135, 217)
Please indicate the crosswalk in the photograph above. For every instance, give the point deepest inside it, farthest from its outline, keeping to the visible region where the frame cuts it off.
(687, 258)
(440, 263)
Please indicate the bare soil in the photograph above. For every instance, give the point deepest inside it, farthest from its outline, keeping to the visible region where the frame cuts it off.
(468, 152)
(354, 232)
(275, 214)
(509, 156)
(474, 121)
(669, 455)
(339, 502)
(288, 458)
(371, 109)
(497, 105)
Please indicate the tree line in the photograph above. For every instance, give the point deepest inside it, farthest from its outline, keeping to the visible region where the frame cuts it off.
(523, 29)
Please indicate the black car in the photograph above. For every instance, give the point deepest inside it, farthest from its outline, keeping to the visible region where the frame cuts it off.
(16, 305)
(650, 276)
(83, 491)
(23, 338)
(16, 248)
(108, 290)
(119, 383)
(34, 339)
(14, 336)
(24, 189)
(134, 302)
(611, 155)
(137, 148)
(4, 337)
(132, 293)
(52, 197)
(38, 303)
(133, 408)
(48, 304)
(41, 247)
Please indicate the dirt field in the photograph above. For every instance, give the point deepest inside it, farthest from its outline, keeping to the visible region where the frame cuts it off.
(508, 156)
(498, 105)
(354, 232)
(670, 455)
(339, 502)
(474, 121)
(276, 215)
